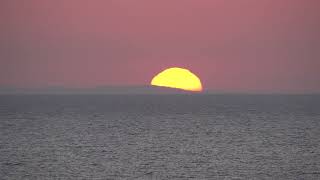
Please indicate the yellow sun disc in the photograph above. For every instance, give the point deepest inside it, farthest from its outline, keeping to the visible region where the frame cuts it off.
(177, 78)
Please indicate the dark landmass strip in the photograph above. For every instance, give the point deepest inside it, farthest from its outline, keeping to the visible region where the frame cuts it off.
(97, 90)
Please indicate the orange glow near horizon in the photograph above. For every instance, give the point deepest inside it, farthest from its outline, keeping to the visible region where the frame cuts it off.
(177, 78)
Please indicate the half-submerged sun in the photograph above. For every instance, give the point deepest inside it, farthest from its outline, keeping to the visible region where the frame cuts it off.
(177, 78)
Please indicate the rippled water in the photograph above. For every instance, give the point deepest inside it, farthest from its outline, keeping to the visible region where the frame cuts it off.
(159, 137)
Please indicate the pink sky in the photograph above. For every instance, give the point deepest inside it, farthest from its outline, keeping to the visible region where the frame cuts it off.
(244, 45)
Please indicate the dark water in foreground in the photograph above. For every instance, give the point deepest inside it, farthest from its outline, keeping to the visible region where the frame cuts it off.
(159, 136)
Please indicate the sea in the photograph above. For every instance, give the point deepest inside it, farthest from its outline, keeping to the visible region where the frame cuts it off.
(170, 136)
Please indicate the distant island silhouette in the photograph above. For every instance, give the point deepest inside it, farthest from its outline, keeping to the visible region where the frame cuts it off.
(96, 90)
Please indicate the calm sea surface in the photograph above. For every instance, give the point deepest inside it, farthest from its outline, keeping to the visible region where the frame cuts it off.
(159, 137)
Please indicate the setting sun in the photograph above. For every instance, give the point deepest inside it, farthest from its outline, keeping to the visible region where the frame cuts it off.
(177, 78)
